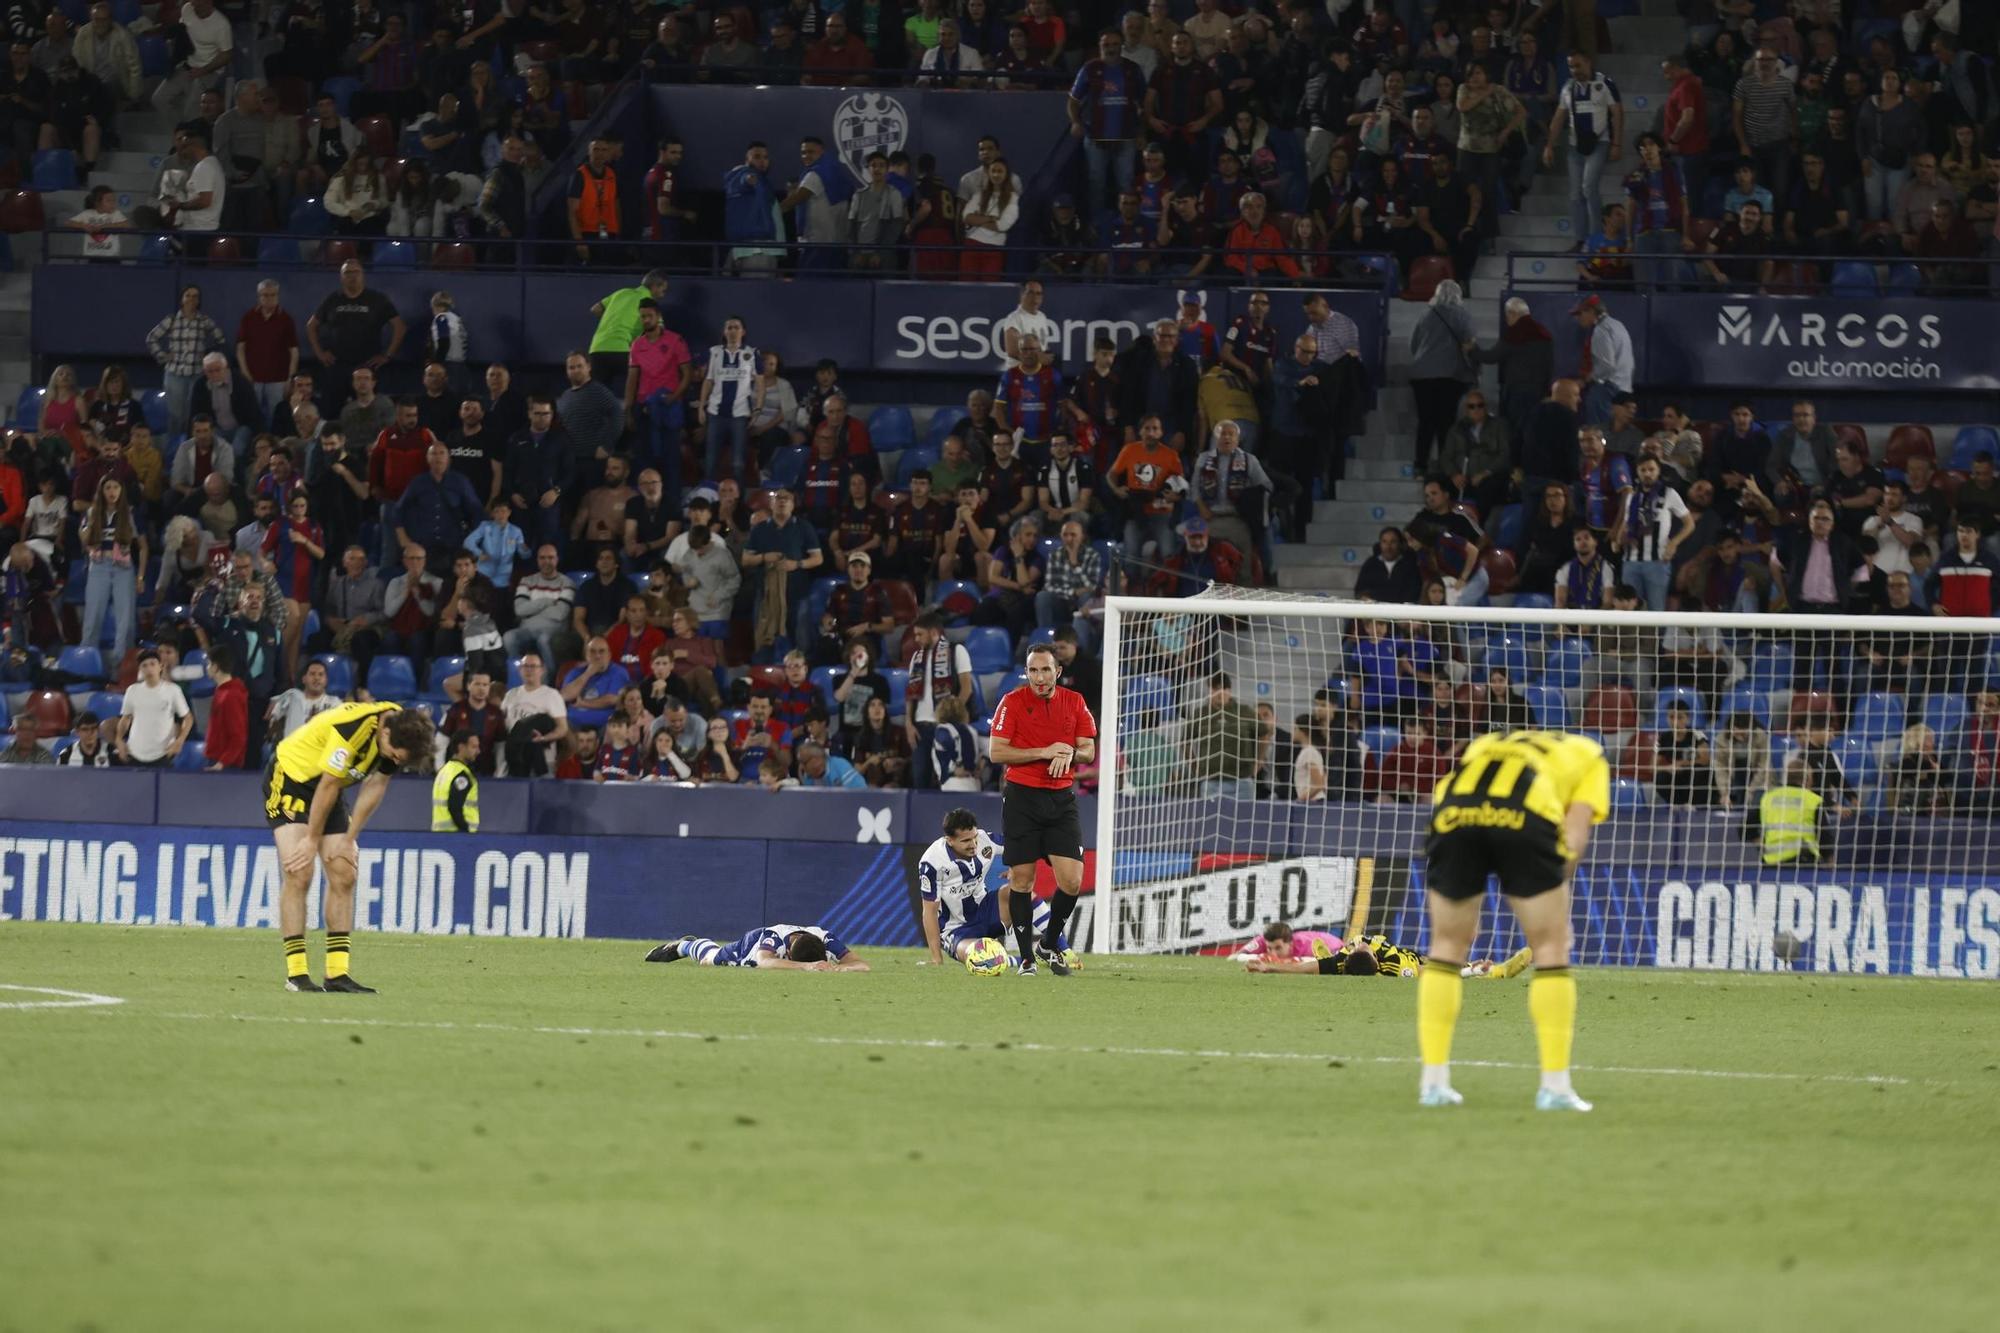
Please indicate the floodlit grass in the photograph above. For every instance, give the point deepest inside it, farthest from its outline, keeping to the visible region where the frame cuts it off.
(551, 1135)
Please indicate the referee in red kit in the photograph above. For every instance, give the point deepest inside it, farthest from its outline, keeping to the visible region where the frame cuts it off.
(1040, 732)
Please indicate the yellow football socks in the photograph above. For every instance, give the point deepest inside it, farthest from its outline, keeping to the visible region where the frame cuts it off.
(1440, 991)
(295, 956)
(336, 954)
(1552, 1006)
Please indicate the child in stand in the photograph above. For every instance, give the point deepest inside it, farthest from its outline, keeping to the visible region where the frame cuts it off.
(618, 759)
(228, 737)
(447, 342)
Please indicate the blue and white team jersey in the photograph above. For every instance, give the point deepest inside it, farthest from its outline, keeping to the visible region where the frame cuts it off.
(958, 885)
(775, 939)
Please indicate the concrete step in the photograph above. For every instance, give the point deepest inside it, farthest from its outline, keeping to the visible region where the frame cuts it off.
(1401, 491)
(130, 183)
(1363, 515)
(1534, 230)
(132, 159)
(1378, 469)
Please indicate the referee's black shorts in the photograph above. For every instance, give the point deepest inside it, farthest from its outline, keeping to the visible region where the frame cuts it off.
(1526, 860)
(1038, 823)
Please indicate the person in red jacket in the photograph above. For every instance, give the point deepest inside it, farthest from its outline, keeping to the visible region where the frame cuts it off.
(398, 454)
(228, 740)
(634, 639)
(1256, 247)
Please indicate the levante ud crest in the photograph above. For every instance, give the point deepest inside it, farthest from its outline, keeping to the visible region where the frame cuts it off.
(867, 123)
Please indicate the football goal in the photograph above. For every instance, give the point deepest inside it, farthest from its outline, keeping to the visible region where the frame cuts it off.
(1809, 793)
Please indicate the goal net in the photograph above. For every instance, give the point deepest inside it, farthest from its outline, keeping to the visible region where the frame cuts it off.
(1790, 793)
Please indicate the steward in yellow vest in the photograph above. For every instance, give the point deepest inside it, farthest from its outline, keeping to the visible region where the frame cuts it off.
(1789, 816)
(455, 793)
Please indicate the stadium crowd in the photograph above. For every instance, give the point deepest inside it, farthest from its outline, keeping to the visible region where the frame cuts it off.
(681, 564)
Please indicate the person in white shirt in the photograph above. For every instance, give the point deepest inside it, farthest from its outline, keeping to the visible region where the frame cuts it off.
(1308, 761)
(1027, 320)
(298, 706)
(100, 221)
(196, 203)
(959, 908)
(1894, 528)
(973, 181)
(1649, 528)
(154, 721)
(1611, 362)
(947, 58)
(537, 723)
(212, 45)
(90, 750)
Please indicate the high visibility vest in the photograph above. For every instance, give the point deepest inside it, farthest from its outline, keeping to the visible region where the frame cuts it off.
(441, 820)
(1790, 816)
(597, 202)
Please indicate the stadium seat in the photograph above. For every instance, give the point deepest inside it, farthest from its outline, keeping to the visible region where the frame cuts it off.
(899, 681)
(379, 132)
(336, 253)
(153, 406)
(392, 676)
(1425, 275)
(294, 94)
(54, 169)
(21, 211)
(1629, 795)
(157, 249)
(766, 679)
(1853, 278)
(441, 669)
(1877, 717)
(193, 757)
(454, 255)
(1859, 759)
(50, 708)
(1010, 682)
(1971, 442)
(990, 648)
(1547, 703)
(82, 660)
(1907, 442)
(201, 687)
(224, 251)
(1850, 432)
(788, 465)
(891, 427)
(1566, 661)
(1471, 697)
(818, 595)
(1904, 278)
(395, 254)
(1037, 636)
(1508, 651)
(1771, 666)
(1611, 709)
(513, 672)
(1639, 757)
(1500, 572)
(943, 422)
(106, 704)
(947, 589)
(310, 218)
(913, 460)
(61, 746)
(155, 57)
(1533, 601)
(1682, 693)
(1808, 705)
(28, 407)
(1945, 714)
(1747, 698)
(339, 672)
(1506, 527)
(6, 717)
(902, 600)
(827, 678)
(1148, 693)
(1378, 741)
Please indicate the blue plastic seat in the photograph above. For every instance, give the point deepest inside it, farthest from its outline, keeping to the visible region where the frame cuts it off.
(1565, 663)
(60, 746)
(899, 680)
(441, 669)
(990, 648)
(1149, 693)
(1904, 278)
(788, 466)
(341, 89)
(1508, 651)
(513, 672)
(393, 676)
(193, 757)
(1039, 635)
(155, 59)
(156, 250)
(106, 705)
(1747, 698)
(126, 12)
(1771, 666)
(1969, 443)
(395, 254)
(28, 407)
(310, 218)
(891, 427)
(82, 660)
(1945, 714)
(153, 406)
(1683, 694)
(1010, 682)
(1858, 759)
(943, 422)
(1629, 795)
(1378, 741)
(827, 679)
(1877, 717)
(913, 460)
(1505, 529)
(340, 672)
(816, 599)
(201, 687)
(947, 587)
(1548, 705)
(1534, 601)
(54, 169)
(1853, 278)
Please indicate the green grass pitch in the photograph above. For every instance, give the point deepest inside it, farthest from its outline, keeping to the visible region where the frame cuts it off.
(550, 1135)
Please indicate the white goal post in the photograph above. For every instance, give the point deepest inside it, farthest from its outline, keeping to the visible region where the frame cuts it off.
(1878, 732)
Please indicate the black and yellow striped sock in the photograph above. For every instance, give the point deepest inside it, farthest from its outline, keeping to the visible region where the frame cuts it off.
(336, 954)
(295, 956)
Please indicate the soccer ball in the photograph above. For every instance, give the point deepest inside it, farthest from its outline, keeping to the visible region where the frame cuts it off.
(986, 958)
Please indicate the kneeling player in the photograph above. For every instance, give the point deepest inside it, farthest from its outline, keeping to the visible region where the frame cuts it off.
(1319, 953)
(957, 907)
(1521, 806)
(781, 948)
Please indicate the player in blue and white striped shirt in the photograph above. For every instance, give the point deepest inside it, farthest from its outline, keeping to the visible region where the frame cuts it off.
(798, 948)
(958, 907)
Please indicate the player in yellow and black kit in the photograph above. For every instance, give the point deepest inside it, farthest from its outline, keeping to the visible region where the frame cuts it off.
(1519, 805)
(305, 800)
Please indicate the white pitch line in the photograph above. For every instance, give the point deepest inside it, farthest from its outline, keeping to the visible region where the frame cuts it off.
(72, 999)
(1042, 1048)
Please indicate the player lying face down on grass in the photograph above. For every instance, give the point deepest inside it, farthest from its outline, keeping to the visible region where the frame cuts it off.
(1320, 953)
(958, 910)
(778, 948)
(305, 803)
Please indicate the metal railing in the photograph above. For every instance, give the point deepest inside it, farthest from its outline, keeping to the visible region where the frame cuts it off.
(1793, 274)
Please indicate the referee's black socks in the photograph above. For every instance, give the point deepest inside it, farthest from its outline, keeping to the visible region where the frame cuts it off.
(1021, 907)
(1061, 904)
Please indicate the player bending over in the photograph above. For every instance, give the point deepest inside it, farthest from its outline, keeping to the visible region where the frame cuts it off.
(1319, 953)
(1520, 806)
(783, 948)
(957, 908)
(305, 802)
